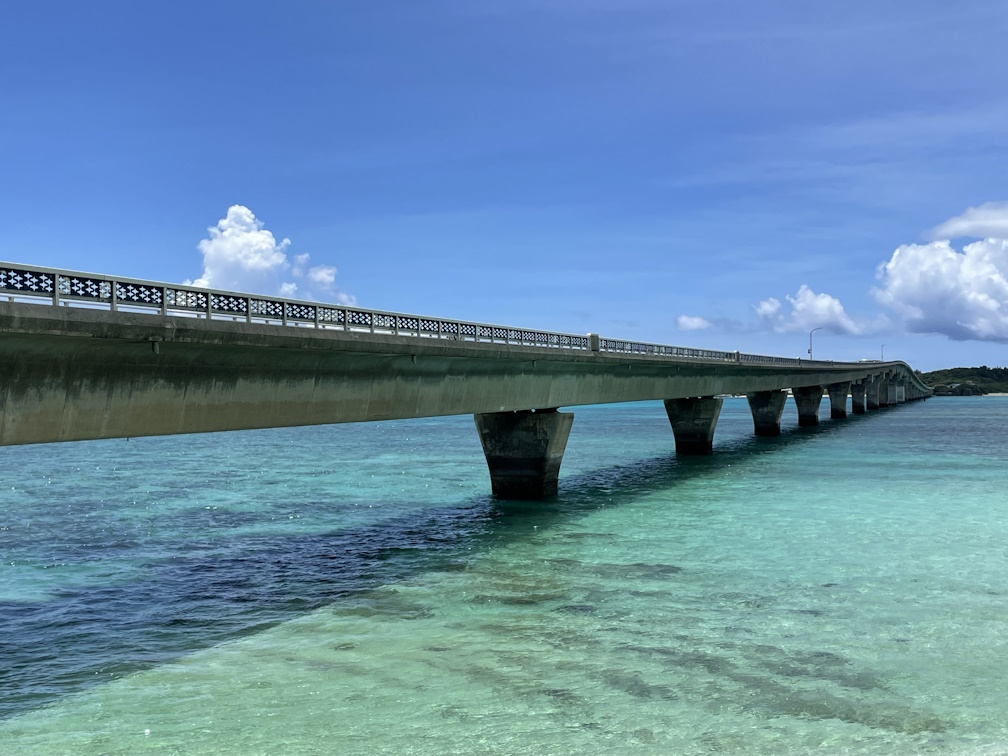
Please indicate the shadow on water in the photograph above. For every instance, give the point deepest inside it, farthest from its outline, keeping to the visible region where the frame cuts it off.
(80, 638)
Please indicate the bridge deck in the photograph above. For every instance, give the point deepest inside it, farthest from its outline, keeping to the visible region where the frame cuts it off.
(75, 373)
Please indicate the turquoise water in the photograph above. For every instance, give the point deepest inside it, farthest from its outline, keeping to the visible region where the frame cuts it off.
(354, 589)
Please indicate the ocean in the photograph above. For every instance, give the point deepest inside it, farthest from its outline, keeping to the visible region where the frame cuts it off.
(355, 589)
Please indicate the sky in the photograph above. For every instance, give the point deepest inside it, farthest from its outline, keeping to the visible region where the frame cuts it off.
(711, 173)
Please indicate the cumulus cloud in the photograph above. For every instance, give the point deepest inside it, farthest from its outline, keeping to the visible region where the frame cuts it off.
(989, 220)
(768, 309)
(808, 310)
(938, 289)
(322, 275)
(241, 254)
(692, 323)
(928, 288)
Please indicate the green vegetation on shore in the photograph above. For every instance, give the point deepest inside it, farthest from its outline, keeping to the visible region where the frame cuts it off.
(971, 381)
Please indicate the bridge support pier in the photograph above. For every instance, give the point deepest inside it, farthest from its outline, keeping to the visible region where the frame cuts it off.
(524, 451)
(857, 392)
(766, 408)
(872, 386)
(693, 421)
(838, 399)
(883, 392)
(807, 398)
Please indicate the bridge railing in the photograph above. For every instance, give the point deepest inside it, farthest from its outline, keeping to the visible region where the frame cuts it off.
(662, 350)
(73, 288)
(30, 283)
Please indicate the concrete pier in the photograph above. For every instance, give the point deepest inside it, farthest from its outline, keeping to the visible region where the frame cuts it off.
(524, 451)
(693, 421)
(872, 386)
(857, 391)
(766, 408)
(807, 398)
(838, 399)
(883, 392)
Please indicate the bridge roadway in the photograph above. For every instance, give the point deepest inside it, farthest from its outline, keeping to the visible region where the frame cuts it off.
(85, 356)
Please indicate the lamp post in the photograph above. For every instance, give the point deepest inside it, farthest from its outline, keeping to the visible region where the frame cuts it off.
(882, 353)
(810, 340)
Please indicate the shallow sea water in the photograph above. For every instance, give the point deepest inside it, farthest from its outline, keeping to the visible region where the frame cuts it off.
(354, 589)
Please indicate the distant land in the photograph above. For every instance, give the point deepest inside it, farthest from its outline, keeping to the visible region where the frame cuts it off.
(967, 381)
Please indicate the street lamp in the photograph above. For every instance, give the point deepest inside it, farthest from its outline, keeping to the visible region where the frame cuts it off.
(810, 340)
(882, 353)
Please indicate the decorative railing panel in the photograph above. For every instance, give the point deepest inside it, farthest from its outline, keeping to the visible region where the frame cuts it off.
(302, 312)
(229, 304)
(26, 281)
(142, 294)
(31, 283)
(358, 318)
(85, 287)
(186, 299)
(270, 309)
(331, 315)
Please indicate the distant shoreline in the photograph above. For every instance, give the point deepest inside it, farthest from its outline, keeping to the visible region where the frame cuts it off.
(968, 381)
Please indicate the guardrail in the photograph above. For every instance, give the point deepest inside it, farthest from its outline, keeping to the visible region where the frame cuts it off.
(29, 283)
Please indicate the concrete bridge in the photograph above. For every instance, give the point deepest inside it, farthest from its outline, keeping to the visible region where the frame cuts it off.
(87, 356)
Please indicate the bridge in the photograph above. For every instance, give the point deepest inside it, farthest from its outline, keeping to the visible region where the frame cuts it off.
(88, 356)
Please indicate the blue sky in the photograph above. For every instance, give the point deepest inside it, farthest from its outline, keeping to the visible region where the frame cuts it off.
(723, 174)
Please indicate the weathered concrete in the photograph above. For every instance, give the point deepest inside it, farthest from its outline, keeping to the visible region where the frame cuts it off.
(857, 391)
(883, 393)
(872, 386)
(524, 451)
(766, 408)
(72, 373)
(838, 399)
(807, 399)
(693, 421)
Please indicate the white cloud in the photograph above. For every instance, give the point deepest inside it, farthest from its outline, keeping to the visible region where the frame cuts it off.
(692, 323)
(989, 220)
(808, 310)
(811, 310)
(768, 308)
(938, 289)
(322, 275)
(241, 254)
(301, 263)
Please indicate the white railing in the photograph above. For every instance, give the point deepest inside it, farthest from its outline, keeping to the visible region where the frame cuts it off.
(30, 283)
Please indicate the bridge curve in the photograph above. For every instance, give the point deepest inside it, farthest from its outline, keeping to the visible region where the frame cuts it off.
(86, 356)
